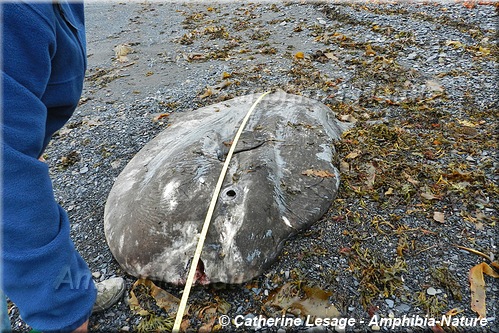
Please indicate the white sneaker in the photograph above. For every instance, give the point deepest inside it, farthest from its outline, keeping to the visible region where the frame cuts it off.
(108, 293)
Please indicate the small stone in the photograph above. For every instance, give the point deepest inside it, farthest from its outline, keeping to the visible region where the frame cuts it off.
(96, 275)
(115, 164)
(321, 21)
(412, 56)
(84, 170)
(125, 329)
(403, 307)
(316, 329)
(431, 58)
(431, 291)
(256, 290)
(375, 328)
(390, 303)
(339, 329)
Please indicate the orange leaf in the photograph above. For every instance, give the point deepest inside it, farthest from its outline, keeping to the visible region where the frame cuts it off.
(453, 312)
(208, 92)
(477, 286)
(469, 4)
(437, 329)
(160, 116)
(299, 55)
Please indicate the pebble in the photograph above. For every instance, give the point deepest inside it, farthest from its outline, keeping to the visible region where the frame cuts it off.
(412, 56)
(403, 307)
(316, 329)
(390, 303)
(84, 170)
(321, 21)
(431, 291)
(431, 58)
(96, 275)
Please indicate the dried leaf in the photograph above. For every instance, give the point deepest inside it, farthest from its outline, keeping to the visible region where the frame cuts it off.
(64, 131)
(330, 55)
(92, 122)
(222, 306)
(466, 123)
(208, 315)
(435, 86)
(369, 51)
(389, 191)
(147, 291)
(485, 51)
(439, 217)
(194, 56)
(478, 253)
(430, 196)
(303, 301)
(477, 286)
(212, 90)
(344, 167)
(299, 55)
(437, 329)
(221, 85)
(469, 4)
(348, 118)
(160, 116)
(454, 312)
(318, 173)
(410, 179)
(207, 93)
(371, 175)
(353, 154)
(121, 51)
(458, 176)
(454, 43)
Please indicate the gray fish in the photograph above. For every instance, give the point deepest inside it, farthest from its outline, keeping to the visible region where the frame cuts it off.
(280, 180)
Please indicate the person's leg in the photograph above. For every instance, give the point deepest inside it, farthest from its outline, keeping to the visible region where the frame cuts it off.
(4, 315)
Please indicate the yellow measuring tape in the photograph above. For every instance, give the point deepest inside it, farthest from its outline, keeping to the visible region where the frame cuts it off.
(202, 236)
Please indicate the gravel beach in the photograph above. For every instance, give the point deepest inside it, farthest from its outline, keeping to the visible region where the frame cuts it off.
(419, 167)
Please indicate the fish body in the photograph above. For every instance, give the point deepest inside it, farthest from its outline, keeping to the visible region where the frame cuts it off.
(156, 208)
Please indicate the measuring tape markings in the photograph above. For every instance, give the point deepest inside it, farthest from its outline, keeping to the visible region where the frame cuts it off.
(209, 214)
